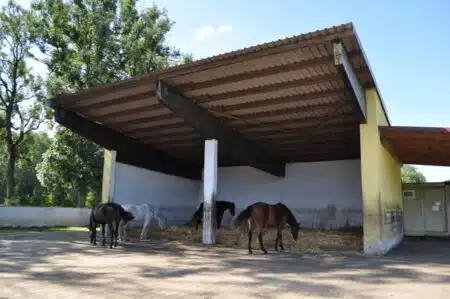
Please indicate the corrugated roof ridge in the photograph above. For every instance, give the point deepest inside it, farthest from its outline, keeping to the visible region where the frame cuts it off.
(264, 46)
(243, 51)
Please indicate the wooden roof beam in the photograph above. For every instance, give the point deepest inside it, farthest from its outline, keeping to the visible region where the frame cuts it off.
(129, 150)
(231, 141)
(342, 62)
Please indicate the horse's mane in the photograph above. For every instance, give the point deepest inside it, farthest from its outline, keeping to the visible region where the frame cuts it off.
(291, 218)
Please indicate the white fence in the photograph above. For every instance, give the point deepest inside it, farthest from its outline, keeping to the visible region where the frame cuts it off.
(43, 217)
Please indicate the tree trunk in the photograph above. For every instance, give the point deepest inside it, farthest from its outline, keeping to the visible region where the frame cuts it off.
(10, 171)
(81, 195)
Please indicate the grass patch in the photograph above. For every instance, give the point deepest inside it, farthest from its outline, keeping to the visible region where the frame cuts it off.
(44, 229)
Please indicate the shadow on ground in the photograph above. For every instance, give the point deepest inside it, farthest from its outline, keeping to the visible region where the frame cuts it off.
(65, 261)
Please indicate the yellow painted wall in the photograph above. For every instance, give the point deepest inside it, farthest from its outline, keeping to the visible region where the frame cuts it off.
(381, 180)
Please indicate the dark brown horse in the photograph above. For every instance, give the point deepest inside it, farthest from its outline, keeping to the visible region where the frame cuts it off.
(264, 216)
(221, 207)
(107, 213)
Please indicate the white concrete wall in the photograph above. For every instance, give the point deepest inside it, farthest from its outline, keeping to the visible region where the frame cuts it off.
(321, 194)
(177, 197)
(311, 190)
(43, 217)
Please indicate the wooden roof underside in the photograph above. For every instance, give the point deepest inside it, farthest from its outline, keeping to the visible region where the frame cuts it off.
(286, 96)
(418, 145)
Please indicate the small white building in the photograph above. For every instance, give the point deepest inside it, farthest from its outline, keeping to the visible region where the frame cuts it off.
(426, 209)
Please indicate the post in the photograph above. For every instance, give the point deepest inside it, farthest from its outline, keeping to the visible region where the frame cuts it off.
(109, 175)
(109, 179)
(200, 195)
(210, 191)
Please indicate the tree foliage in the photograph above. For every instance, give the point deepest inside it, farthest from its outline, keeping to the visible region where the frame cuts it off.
(411, 174)
(21, 91)
(71, 165)
(89, 43)
(29, 191)
(85, 44)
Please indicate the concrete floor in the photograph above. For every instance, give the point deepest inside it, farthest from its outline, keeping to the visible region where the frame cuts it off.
(64, 265)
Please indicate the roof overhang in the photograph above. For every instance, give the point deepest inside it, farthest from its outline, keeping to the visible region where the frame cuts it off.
(298, 99)
(418, 145)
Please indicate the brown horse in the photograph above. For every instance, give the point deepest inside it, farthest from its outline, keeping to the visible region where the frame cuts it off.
(107, 213)
(263, 216)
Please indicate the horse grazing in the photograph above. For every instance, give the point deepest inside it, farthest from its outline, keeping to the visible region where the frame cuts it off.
(221, 207)
(107, 213)
(142, 213)
(263, 216)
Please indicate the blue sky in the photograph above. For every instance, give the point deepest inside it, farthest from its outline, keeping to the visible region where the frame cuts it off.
(406, 43)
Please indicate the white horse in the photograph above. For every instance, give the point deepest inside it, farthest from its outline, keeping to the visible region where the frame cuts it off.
(142, 213)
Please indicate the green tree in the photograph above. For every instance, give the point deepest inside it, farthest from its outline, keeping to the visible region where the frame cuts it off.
(411, 174)
(88, 43)
(29, 191)
(20, 91)
(70, 163)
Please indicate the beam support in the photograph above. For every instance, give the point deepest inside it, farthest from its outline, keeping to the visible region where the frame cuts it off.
(342, 62)
(232, 142)
(129, 150)
(109, 175)
(391, 151)
(210, 191)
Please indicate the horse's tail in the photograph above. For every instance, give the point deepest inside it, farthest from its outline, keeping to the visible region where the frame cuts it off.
(244, 215)
(92, 221)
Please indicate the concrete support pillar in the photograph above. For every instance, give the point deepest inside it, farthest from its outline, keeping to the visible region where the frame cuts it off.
(210, 191)
(109, 178)
(109, 175)
(200, 195)
(381, 182)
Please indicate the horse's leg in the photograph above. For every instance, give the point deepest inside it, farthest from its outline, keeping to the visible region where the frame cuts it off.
(280, 233)
(120, 232)
(250, 233)
(111, 230)
(146, 224)
(103, 234)
(276, 242)
(94, 235)
(219, 220)
(161, 223)
(116, 232)
(261, 242)
(124, 232)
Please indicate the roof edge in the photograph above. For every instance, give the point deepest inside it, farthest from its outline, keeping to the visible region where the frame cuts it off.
(371, 73)
(416, 129)
(224, 58)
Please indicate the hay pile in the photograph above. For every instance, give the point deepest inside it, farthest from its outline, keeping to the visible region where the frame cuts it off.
(309, 240)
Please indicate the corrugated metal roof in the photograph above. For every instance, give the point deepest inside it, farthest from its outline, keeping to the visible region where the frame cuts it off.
(289, 84)
(418, 145)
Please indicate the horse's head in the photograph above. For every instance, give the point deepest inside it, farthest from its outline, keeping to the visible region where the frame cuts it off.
(127, 216)
(294, 231)
(232, 208)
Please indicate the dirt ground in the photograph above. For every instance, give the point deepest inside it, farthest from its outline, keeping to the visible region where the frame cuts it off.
(64, 265)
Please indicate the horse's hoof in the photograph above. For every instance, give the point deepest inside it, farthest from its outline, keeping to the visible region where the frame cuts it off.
(265, 252)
